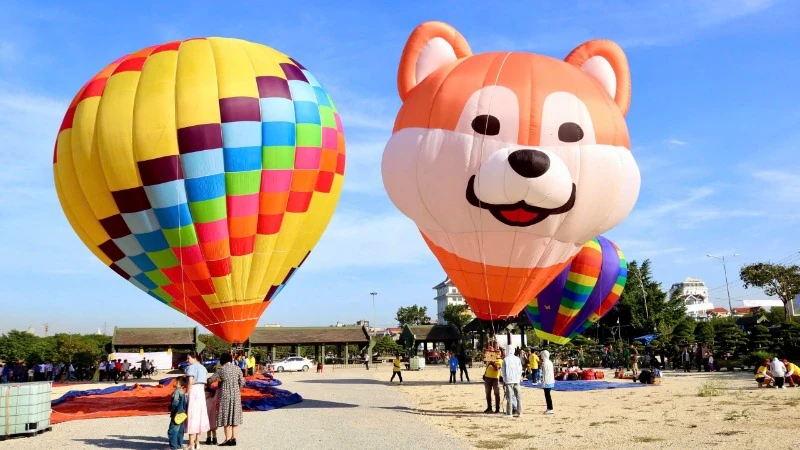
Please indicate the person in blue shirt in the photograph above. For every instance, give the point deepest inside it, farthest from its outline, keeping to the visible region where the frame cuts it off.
(177, 405)
(453, 361)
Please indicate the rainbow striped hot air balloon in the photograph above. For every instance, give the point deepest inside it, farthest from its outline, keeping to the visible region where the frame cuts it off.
(581, 294)
(202, 171)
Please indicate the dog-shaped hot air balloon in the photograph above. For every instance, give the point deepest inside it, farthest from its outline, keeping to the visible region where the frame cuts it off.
(508, 162)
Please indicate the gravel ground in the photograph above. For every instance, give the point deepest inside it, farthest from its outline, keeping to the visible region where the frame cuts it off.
(342, 408)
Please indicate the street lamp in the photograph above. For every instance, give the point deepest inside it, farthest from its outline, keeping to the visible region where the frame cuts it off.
(373, 294)
(725, 269)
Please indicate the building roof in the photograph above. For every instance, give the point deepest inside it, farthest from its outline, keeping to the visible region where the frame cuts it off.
(154, 337)
(309, 335)
(718, 311)
(444, 283)
(746, 310)
(430, 333)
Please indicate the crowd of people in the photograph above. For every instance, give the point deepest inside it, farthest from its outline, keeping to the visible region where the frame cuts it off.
(112, 370)
(777, 374)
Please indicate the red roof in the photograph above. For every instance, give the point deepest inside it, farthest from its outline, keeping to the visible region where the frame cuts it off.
(718, 311)
(746, 310)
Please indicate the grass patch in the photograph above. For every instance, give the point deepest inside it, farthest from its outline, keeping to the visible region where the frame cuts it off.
(733, 415)
(491, 444)
(647, 439)
(692, 426)
(710, 389)
(729, 433)
(594, 424)
(518, 436)
(791, 403)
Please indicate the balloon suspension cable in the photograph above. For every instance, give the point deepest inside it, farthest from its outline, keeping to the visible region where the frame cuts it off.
(480, 215)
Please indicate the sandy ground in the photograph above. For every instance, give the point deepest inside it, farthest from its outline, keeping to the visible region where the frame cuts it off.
(355, 408)
(342, 408)
(671, 415)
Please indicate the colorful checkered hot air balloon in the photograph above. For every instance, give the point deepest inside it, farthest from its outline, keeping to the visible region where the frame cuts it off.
(583, 293)
(202, 171)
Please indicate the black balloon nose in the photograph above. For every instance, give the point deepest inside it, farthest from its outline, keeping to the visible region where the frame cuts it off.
(529, 163)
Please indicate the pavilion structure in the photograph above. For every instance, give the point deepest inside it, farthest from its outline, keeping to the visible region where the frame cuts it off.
(318, 337)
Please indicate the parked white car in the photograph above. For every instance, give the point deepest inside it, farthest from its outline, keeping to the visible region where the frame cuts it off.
(293, 363)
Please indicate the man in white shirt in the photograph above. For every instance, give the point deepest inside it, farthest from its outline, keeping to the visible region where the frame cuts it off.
(778, 370)
(102, 370)
(512, 375)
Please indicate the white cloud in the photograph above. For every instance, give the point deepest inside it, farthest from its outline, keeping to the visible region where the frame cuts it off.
(676, 142)
(779, 185)
(358, 239)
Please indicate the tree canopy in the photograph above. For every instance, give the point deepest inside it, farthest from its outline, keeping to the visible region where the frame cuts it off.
(778, 280)
(457, 315)
(23, 346)
(412, 315)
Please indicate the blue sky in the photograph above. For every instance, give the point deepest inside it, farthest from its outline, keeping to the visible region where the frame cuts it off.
(713, 126)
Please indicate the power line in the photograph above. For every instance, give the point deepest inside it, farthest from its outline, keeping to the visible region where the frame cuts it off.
(793, 257)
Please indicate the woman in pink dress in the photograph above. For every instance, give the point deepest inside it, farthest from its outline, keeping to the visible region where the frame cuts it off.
(197, 422)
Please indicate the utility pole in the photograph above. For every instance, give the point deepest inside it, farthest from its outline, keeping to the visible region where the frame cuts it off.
(46, 328)
(725, 270)
(373, 294)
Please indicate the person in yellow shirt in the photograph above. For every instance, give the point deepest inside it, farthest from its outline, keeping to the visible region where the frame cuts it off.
(251, 365)
(763, 375)
(792, 373)
(491, 382)
(396, 369)
(533, 365)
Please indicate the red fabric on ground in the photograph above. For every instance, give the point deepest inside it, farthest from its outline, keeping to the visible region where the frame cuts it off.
(141, 401)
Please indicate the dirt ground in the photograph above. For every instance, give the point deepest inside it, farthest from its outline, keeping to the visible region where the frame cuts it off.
(732, 412)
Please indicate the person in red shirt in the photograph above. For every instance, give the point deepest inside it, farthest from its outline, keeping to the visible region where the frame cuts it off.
(118, 370)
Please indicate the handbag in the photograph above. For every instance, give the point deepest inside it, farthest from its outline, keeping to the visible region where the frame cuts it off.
(180, 418)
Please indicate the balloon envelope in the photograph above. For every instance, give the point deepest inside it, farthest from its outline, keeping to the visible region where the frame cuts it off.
(508, 162)
(202, 171)
(581, 294)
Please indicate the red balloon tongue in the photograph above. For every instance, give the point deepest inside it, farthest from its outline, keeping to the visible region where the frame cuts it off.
(518, 215)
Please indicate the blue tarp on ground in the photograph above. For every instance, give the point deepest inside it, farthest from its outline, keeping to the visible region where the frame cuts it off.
(74, 394)
(586, 385)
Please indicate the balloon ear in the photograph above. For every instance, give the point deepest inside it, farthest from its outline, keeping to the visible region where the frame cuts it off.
(430, 46)
(606, 62)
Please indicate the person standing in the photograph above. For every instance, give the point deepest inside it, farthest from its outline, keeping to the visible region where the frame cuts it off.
(548, 380)
(778, 370)
(48, 371)
(462, 364)
(229, 415)
(5, 369)
(177, 405)
(581, 357)
(366, 360)
(102, 369)
(453, 362)
(126, 367)
(491, 384)
(533, 361)
(686, 359)
(704, 354)
(512, 375)
(197, 423)
(634, 362)
(396, 369)
(251, 365)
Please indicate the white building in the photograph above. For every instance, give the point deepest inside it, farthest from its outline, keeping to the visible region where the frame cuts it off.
(695, 296)
(446, 294)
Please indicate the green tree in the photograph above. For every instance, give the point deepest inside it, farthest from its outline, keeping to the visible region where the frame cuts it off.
(412, 315)
(728, 337)
(776, 315)
(458, 315)
(387, 346)
(704, 332)
(776, 280)
(215, 345)
(683, 333)
(789, 337)
(643, 306)
(18, 345)
(759, 338)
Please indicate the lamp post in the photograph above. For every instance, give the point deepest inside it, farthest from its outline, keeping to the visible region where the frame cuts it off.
(373, 294)
(725, 270)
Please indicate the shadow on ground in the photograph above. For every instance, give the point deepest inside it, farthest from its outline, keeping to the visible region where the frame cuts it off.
(439, 412)
(128, 442)
(319, 404)
(406, 382)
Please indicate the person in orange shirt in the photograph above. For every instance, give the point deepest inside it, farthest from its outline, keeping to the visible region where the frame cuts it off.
(792, 373)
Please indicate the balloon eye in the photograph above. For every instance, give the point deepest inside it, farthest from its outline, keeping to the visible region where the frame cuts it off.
(486, 125)
(570, 132)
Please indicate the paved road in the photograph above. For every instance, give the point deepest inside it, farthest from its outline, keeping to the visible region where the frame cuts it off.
(342, 409)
